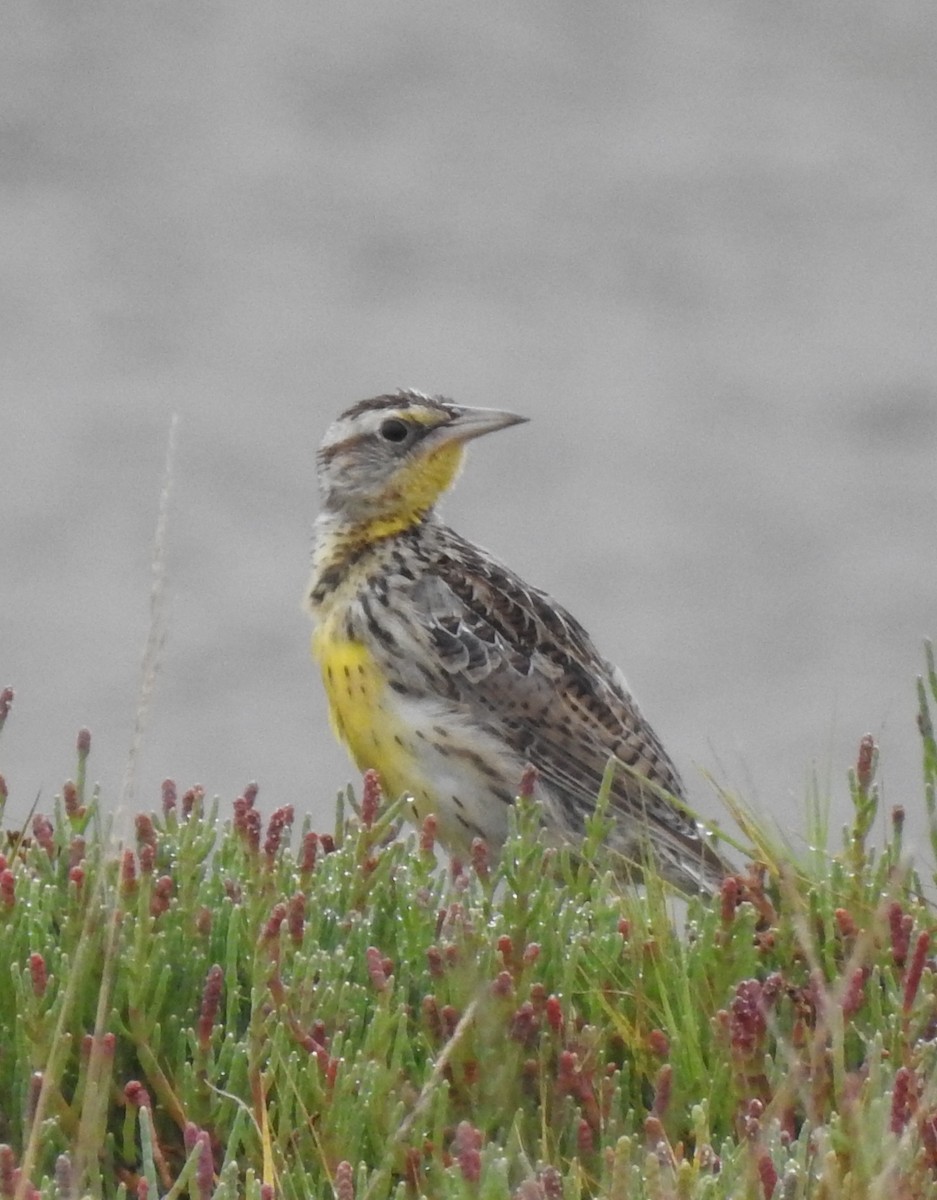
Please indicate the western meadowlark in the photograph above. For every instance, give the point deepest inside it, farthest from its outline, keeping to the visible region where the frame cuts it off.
(447, 673)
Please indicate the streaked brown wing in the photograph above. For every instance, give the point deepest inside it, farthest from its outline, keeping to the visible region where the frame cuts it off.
(528, 671)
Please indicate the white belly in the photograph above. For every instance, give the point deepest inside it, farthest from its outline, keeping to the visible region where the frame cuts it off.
(462, 774)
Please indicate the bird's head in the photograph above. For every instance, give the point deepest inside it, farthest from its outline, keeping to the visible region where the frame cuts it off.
(385, 462)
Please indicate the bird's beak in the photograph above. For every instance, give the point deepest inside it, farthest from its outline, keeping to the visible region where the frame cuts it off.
(471, 423)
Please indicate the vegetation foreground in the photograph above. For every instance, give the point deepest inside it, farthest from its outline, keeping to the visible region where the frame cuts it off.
(224, 1011)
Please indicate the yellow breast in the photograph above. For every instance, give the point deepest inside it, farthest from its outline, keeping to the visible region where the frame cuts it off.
(439, 758)
(361, 709)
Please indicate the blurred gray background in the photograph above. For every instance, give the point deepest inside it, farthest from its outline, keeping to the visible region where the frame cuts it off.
(695, 242)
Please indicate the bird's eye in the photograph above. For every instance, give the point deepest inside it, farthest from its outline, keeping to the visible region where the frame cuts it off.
(394, 430)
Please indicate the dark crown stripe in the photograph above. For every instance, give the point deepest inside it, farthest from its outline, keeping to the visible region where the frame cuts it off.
(400, 400)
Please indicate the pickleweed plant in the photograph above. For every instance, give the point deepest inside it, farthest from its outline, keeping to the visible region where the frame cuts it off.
(239, 1005)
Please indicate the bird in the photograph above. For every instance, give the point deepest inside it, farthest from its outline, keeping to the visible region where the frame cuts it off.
(449, 675)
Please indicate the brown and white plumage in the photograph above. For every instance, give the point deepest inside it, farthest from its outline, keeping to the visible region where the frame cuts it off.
(448, 673)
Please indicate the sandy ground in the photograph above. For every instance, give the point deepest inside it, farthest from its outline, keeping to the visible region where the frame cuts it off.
(695, 243)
